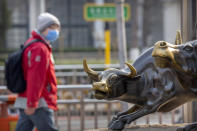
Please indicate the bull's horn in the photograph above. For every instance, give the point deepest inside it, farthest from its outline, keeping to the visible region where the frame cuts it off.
(92, 74)
(178, 40)
(133, 72)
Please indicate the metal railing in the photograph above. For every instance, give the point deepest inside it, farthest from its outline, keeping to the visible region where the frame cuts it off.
(78, 66)
(70, 73)
(83, 101)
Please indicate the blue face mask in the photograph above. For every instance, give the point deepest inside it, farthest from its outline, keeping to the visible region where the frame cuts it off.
(52, 35)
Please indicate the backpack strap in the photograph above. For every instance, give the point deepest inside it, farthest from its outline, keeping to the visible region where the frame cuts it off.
(31, 42)
(28, 44)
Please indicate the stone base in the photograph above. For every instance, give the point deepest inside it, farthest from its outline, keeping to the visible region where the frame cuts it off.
(157, 127)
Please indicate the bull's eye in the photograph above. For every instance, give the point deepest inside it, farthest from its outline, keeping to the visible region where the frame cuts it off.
(188, 48)
(113, 78)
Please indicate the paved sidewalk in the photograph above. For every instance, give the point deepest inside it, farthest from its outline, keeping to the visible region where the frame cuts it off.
(147, 128)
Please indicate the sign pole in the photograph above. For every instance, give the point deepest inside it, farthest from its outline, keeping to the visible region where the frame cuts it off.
(121, 38)
(107, 44)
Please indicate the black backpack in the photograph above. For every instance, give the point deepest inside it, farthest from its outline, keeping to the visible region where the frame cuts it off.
(14, 72)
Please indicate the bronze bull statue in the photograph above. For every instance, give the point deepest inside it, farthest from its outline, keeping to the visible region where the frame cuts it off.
(161, 79)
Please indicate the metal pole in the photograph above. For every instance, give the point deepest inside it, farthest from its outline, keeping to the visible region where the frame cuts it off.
(98, 30)
(137, 41)
(121, 32)
(184, 21)
(140, 18)
(186, 25)
(122, 52)
(35, 8)
(193, 36)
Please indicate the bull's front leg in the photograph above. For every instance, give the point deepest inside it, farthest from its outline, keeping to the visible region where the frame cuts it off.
(148, 109)
(190, 127)
(127, 119)
(129, 111)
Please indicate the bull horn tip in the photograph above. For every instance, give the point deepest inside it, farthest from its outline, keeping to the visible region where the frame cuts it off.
(178, 39)
(133, 70)
(126, 63)
(84, 60)
(85, 65)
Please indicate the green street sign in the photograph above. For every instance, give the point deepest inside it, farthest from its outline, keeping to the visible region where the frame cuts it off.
(105, 12)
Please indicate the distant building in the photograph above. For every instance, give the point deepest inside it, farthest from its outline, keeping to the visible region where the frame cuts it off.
(160, 20)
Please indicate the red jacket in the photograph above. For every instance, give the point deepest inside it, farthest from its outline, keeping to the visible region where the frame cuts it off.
(39, 73)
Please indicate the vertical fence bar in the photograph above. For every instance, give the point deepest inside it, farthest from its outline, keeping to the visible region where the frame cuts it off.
(172, 112)
(56, 119)
(160, 118)
(69, 118)
(147, 119)
(95, 116)
(74, 77)
(135, 122)
(82, 111)
(109, 113)
(182, 109)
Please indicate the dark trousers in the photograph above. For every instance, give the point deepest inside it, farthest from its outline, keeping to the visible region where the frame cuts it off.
(42, 119)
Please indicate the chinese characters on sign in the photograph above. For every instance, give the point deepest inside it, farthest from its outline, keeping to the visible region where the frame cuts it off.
(106, 12)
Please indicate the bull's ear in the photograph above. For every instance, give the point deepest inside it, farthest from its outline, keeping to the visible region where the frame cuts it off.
(195, 46)
(178, 40)
(91, 73)
(133, 82)
(136, 78)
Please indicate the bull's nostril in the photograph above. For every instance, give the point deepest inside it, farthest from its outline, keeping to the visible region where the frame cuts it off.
(163, 44)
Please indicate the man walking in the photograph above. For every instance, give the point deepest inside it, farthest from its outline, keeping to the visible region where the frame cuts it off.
(38, 102)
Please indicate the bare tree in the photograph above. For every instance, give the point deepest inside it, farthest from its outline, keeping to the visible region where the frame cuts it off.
(5, 22)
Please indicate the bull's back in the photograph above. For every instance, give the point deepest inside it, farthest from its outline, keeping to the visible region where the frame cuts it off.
(144, 61)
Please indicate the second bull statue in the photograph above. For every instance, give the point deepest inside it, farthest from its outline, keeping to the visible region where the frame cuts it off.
(161, 79)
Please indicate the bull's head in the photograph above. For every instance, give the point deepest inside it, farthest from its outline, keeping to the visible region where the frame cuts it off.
(109, 83)
(182, 57)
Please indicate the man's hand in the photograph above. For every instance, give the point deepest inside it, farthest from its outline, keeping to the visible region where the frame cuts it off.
(30, 110)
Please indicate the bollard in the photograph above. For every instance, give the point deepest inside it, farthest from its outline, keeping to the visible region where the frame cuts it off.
(7, 122)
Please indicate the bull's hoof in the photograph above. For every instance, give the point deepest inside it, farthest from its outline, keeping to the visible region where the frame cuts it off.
(190, 127)
(117, 125)
(113, 119)
(180, 129)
